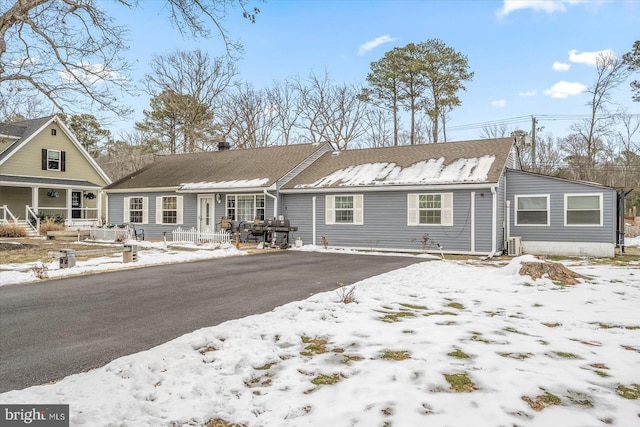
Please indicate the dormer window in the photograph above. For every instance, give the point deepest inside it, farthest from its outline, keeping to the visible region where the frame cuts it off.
(53, 132)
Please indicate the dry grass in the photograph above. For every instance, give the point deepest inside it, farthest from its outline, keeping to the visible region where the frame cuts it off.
(33, 250)
(347, 295)
(50, 225)
(12, 230)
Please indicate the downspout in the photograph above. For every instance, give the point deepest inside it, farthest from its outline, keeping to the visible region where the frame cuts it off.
(313, 219)
(473, 221)
(275, 213)
(494, 220)
(508, 219)
(275, 202)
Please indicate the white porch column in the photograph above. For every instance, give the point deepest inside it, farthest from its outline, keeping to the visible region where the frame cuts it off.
(99, 207)
(68, 221)
(34, 198)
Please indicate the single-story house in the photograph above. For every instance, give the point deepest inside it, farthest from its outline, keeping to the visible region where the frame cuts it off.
(46, 172)
(466, 197)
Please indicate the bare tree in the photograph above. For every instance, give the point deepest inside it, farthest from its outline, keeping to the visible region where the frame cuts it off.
(283, 100)
(329, 112)
(68, 54)
(129, 153)
(379, 127)
(247, 118)
(198, 81)
(495, 130)
(610, 73)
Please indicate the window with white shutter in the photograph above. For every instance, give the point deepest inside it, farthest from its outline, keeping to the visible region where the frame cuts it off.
(344, 209)
(430, 209)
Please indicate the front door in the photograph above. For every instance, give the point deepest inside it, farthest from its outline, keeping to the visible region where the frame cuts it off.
(205, 214)
(76, 204)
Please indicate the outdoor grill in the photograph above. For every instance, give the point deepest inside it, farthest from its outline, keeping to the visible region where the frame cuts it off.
(275, 231)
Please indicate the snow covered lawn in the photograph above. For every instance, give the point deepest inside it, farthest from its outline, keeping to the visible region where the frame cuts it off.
(440, 343)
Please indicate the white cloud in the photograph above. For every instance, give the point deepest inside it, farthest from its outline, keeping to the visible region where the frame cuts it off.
(499, 103)
(528, 93)
(588, 58)
(561, 66)
(372, 44)
(548, 6)
(90, 74)
(564, 89)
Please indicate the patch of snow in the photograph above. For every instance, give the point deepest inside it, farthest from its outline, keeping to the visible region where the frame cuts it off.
(220, 185)
(154, 253)
(432, 171)
(578, 343)
(632, 241)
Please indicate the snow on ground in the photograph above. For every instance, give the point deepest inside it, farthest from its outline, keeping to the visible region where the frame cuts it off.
(526, 352)
(632, 241)
(149, 253)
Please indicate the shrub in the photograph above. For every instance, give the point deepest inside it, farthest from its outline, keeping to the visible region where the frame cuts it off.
(12, 230)
(50, 224)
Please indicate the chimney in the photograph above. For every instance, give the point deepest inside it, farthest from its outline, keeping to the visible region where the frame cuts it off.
(223, 145)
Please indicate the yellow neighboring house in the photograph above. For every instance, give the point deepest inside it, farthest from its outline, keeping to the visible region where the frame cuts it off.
(45, 172)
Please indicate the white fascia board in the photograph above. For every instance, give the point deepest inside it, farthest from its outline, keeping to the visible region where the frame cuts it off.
(140, 190)
(355, 189)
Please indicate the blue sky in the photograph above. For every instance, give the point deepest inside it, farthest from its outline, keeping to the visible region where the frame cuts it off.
(529, 57)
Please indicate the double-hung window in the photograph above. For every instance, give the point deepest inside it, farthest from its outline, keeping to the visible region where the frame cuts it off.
(430, 209)
(532, 209)
(344, 209)
(245, 207)
(53, 160)
(583, 209)
(136, 209)
(169, 210)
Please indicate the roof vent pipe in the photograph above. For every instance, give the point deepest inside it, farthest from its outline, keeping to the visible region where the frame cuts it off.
(223, 145)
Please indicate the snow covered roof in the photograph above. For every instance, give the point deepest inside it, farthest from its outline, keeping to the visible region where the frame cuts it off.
(464, 162)
(238, 183)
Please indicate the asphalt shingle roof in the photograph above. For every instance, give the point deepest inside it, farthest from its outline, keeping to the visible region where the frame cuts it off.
(267, 165)
(22, 130)
(412, 164)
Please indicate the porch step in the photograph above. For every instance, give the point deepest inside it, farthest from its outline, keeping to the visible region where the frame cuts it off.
(30, 231)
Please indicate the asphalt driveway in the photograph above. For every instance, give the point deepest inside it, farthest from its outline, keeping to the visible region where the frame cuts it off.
(53, 329)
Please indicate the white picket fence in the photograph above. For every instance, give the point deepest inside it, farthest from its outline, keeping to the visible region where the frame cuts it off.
(195, 236)
(114, 234)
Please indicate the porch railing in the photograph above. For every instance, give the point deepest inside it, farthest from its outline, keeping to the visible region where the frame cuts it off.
(33, 220)
(195, 236)
(7, 215)
(62, 213)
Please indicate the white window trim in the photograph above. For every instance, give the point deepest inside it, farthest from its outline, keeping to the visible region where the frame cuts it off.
(413, 209)
(159, 210)
(566, 199)
(126, 216)
(516, 210)
(59, 160)
(330, 209)
(255, 204)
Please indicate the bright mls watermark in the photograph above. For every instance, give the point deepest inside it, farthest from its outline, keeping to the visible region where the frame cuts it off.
(34, 415)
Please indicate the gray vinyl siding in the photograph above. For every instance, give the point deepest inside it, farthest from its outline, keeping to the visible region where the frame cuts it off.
(189, 211)
(520, 183)
(385, 222)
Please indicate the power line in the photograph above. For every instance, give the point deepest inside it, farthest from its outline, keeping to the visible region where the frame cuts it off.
(526, 119)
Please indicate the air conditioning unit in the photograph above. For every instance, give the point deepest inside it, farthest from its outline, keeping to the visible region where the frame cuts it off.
(514, 246)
